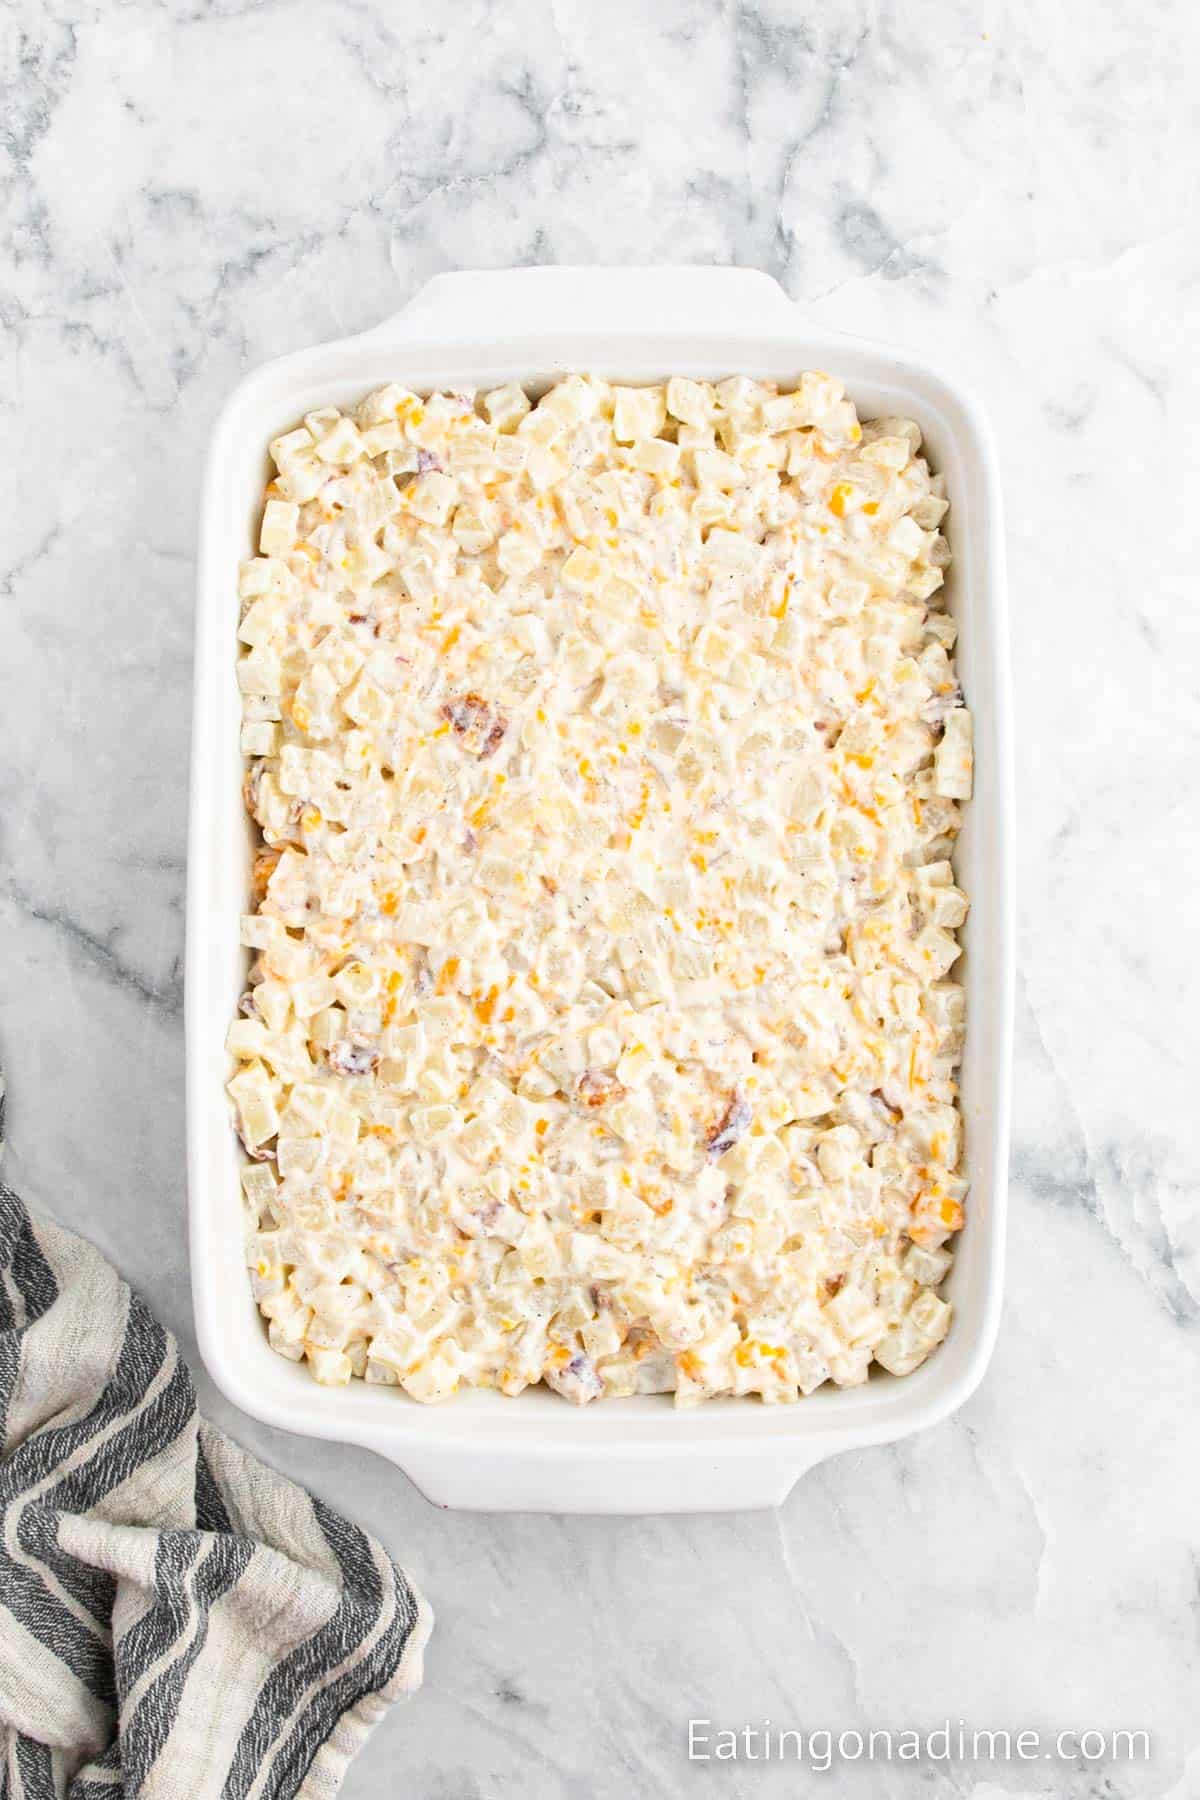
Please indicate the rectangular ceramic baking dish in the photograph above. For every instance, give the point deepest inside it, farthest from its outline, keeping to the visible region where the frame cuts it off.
(481, 1450)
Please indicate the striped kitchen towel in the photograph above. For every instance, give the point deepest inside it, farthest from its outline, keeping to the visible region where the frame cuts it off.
(177, 1621)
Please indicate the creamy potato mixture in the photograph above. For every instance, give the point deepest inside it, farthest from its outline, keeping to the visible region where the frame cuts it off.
(607, 753)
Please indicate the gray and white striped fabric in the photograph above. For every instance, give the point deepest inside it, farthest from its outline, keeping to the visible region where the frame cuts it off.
(176, 1620)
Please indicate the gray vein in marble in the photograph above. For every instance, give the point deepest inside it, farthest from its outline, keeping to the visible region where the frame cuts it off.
(99, 953)
(1085, 1175)
(17, 572)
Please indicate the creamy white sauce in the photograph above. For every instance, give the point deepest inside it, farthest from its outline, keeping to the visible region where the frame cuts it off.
(607, 757)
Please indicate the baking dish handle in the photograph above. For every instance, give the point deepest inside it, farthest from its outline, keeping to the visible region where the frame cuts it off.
(468, 304)
(527, 1478)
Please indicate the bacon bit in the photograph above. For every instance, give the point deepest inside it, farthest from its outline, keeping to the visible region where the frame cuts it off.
(596, 1088)
(349, 1058)
(259, 1152)
(733, 1124)
(894, 1113)
(578, 1381)
(265, 864)
(834, 1285)
(479, 725)
(252, 785)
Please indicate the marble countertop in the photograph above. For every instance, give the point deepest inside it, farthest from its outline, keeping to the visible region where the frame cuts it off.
(191, 188)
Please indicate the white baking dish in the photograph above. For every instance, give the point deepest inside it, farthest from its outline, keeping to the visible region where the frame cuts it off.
(481, 1450)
